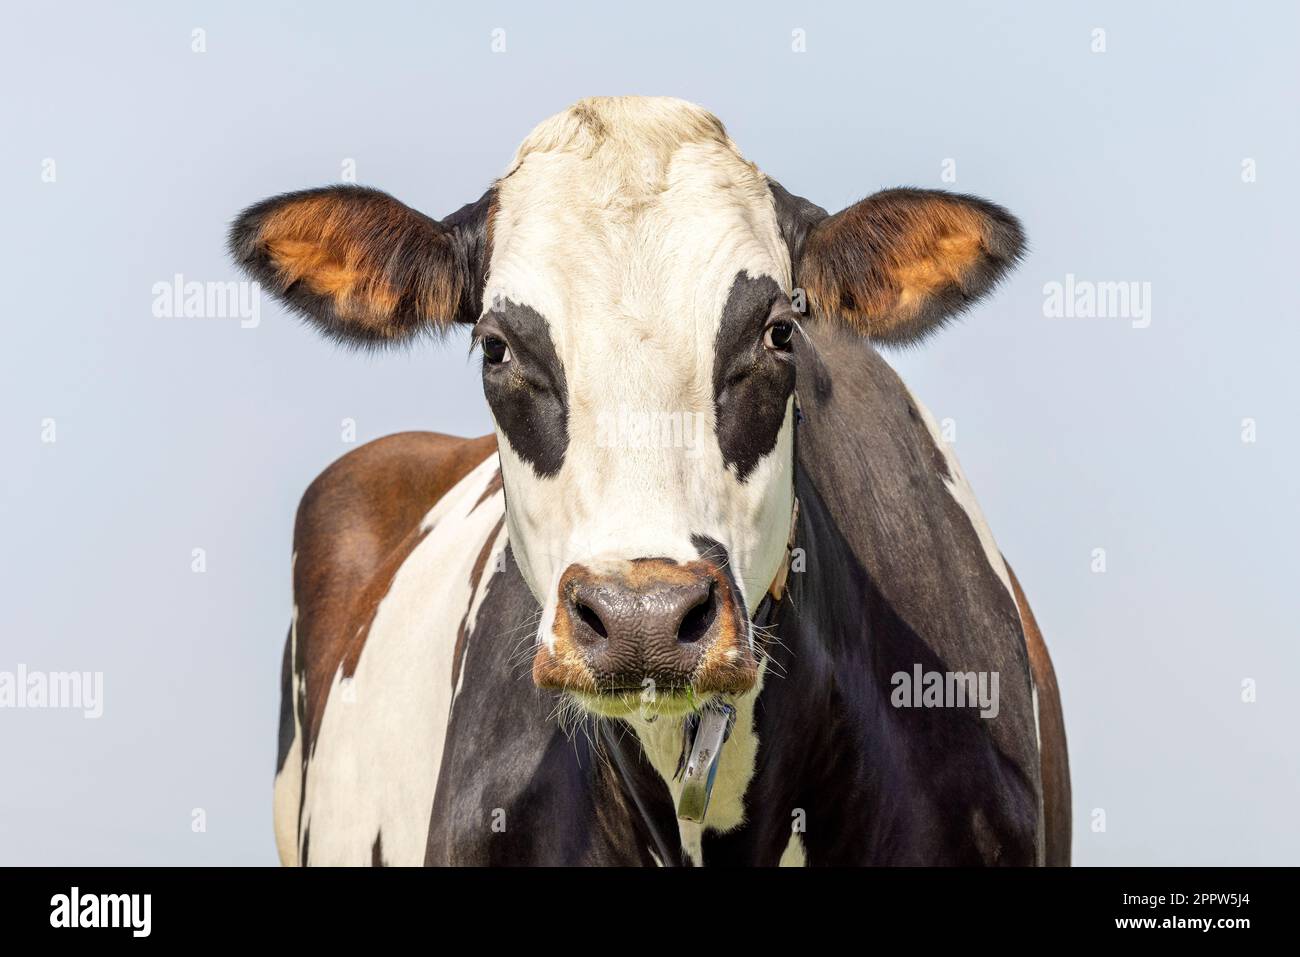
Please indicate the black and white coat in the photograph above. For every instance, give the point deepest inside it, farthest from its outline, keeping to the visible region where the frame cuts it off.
(632, 264)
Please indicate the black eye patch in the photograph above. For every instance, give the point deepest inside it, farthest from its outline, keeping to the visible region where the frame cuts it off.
(751, 384)
(528, 395)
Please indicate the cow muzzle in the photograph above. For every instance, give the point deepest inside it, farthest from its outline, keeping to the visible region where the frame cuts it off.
(649, 635)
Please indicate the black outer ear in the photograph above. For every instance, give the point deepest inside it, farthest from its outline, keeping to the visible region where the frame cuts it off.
(363, 267)
(471, 239)
(796, 217)
(901, 263)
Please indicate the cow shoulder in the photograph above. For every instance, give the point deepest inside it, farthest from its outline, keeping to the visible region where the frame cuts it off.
(355, 525)
(365, 502)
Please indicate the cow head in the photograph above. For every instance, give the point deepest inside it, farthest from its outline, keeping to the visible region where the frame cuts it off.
(636, 289)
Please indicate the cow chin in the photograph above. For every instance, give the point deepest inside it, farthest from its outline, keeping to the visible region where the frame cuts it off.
(648, 636)
(650, 701)
(628, 704)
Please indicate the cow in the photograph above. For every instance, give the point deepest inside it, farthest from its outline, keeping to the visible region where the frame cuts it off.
(671, 611)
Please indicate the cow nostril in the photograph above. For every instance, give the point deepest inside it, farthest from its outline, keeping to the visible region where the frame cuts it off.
(696, 623)
(592, 620)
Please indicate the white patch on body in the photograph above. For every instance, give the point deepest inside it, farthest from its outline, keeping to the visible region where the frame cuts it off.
(374, 769)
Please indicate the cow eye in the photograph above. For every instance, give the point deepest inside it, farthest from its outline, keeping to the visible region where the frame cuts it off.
(779, 335)
(495, 350)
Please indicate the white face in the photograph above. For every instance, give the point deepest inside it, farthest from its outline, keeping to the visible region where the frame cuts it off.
(628, 254)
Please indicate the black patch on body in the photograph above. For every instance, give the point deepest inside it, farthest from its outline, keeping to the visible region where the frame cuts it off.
(564, 804)
(895, 576)
(286, 704)
(751, 384)
(528, 395)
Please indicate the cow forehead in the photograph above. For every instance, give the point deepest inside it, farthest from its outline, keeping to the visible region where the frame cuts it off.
(631, 225)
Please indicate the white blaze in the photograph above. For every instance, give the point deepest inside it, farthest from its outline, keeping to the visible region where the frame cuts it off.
(625, 223)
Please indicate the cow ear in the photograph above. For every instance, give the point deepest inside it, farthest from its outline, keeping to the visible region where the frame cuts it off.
(360, 265)
(897, 265)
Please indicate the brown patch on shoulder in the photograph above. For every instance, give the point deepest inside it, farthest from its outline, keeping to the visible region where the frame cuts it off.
(1055, 759)
(356, 524)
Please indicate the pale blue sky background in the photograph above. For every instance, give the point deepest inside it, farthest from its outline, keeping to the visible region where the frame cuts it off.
(1077, 434)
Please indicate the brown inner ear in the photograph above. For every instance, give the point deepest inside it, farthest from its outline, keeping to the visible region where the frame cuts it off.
(944, 263)
(881, 263)
(365, 255)
(328, 274)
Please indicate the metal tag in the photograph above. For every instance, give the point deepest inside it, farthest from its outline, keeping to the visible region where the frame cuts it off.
(713, 727)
